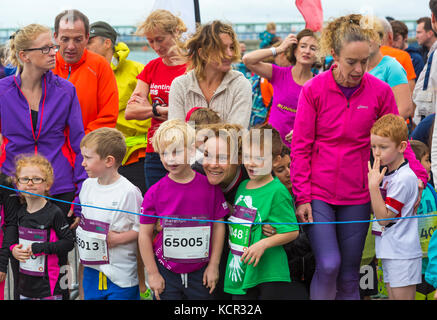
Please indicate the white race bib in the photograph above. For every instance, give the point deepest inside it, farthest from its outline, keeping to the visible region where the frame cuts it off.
(35, 265)
(91, 242)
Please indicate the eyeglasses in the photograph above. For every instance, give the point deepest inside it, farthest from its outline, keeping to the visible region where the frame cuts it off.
(45, 50)
(35, 180)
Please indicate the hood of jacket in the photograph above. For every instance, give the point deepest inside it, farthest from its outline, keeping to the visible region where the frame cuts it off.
(121, 52)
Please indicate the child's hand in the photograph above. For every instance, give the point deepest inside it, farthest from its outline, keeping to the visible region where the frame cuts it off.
(254, 253)
(112, 239)
(21, 254)
(2, 276)
(156, 284)
(211, 277)
(375, 176)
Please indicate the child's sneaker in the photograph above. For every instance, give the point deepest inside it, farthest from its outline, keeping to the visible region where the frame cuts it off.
(146, 295)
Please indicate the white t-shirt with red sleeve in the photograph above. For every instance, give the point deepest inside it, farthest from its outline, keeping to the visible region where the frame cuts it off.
(400, 239)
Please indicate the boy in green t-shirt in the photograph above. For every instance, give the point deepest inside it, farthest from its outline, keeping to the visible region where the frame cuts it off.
(257, 266)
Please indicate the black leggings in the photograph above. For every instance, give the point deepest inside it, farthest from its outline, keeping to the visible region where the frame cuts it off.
(275, 291)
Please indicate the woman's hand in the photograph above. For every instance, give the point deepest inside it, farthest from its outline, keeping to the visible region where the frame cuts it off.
(268, 230)
(304, 213)
(289, 136)
(287, 43)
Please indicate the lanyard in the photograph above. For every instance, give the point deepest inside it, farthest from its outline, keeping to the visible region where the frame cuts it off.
(30, 113)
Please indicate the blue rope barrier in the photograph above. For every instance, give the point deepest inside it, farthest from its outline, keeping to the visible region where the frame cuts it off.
(219, 221)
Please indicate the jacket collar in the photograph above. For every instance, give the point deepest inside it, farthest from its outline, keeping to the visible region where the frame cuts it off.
(65, 66)
(194, 83)
(332, 84)
(48, 76)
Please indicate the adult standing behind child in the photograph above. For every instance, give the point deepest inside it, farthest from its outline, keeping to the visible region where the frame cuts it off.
(87, 71)
(40, 113)
(107, 239)
(182, 261)
(287, 81)
(393, 193)
(210, 81)
(329, 154)
(150, 99)
(257, 266)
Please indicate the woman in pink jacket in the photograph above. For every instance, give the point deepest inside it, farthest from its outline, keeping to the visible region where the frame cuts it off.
(330, 151)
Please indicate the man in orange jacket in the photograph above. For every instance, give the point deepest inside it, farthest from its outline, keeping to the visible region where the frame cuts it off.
(90, 73)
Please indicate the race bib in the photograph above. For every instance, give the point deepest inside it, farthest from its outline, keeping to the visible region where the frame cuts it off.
(239, 230)
(35, 265)
(91, 242)
(186, 241)
(427, 226)
(377, 229)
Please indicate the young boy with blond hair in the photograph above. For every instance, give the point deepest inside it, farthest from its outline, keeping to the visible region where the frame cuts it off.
(397, 241)
(107, 239)
(182, 261)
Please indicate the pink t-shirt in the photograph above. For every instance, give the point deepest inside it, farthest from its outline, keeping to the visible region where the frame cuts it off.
(196, 199)
(285, 97)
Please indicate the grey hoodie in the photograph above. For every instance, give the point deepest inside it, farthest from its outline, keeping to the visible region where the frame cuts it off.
(232, 100)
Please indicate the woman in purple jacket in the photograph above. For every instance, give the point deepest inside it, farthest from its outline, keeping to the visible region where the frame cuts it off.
(330, 150)
(40, 113)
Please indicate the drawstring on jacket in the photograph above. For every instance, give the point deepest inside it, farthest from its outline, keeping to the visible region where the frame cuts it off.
(184, 277)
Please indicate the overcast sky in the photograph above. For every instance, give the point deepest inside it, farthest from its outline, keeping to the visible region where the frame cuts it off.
(131, 12)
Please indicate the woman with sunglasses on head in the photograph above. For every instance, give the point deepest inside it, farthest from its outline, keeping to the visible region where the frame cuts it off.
(40, 113)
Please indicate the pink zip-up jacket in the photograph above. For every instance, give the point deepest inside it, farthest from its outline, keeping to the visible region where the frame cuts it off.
(331, 140)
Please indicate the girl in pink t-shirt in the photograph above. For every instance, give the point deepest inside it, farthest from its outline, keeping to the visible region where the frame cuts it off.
(287, 81)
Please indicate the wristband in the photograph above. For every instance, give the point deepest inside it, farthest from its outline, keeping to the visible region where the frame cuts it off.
(273, 49)
(154, 111)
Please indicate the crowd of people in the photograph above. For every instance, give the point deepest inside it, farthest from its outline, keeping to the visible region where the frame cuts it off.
(211, 173)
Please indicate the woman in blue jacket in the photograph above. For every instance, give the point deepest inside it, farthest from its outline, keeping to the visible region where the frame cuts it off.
(40, 113)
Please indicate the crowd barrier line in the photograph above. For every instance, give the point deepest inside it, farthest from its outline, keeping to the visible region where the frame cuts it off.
(222, 221)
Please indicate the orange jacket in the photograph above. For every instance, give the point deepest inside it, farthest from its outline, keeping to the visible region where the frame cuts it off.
(403, 57)
(96, 89)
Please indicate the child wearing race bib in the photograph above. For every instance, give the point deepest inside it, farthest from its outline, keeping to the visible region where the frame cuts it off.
(107, 239)
(42, 235)
(257, 265)
(182, 261)
(428, 205)
(397, 241)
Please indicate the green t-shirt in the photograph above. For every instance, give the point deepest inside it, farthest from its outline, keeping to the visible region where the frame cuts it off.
(273, 204)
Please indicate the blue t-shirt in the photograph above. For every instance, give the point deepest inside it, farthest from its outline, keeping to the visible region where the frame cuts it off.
(390, 71)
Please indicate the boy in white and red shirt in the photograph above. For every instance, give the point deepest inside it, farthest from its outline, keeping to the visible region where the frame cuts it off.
(397, 242)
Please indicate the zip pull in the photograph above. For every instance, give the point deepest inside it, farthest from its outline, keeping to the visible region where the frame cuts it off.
(69, 73)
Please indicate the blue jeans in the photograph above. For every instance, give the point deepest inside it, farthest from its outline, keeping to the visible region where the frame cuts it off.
(153, 169)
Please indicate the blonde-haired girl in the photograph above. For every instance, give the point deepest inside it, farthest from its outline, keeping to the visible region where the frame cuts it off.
(40, 236)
